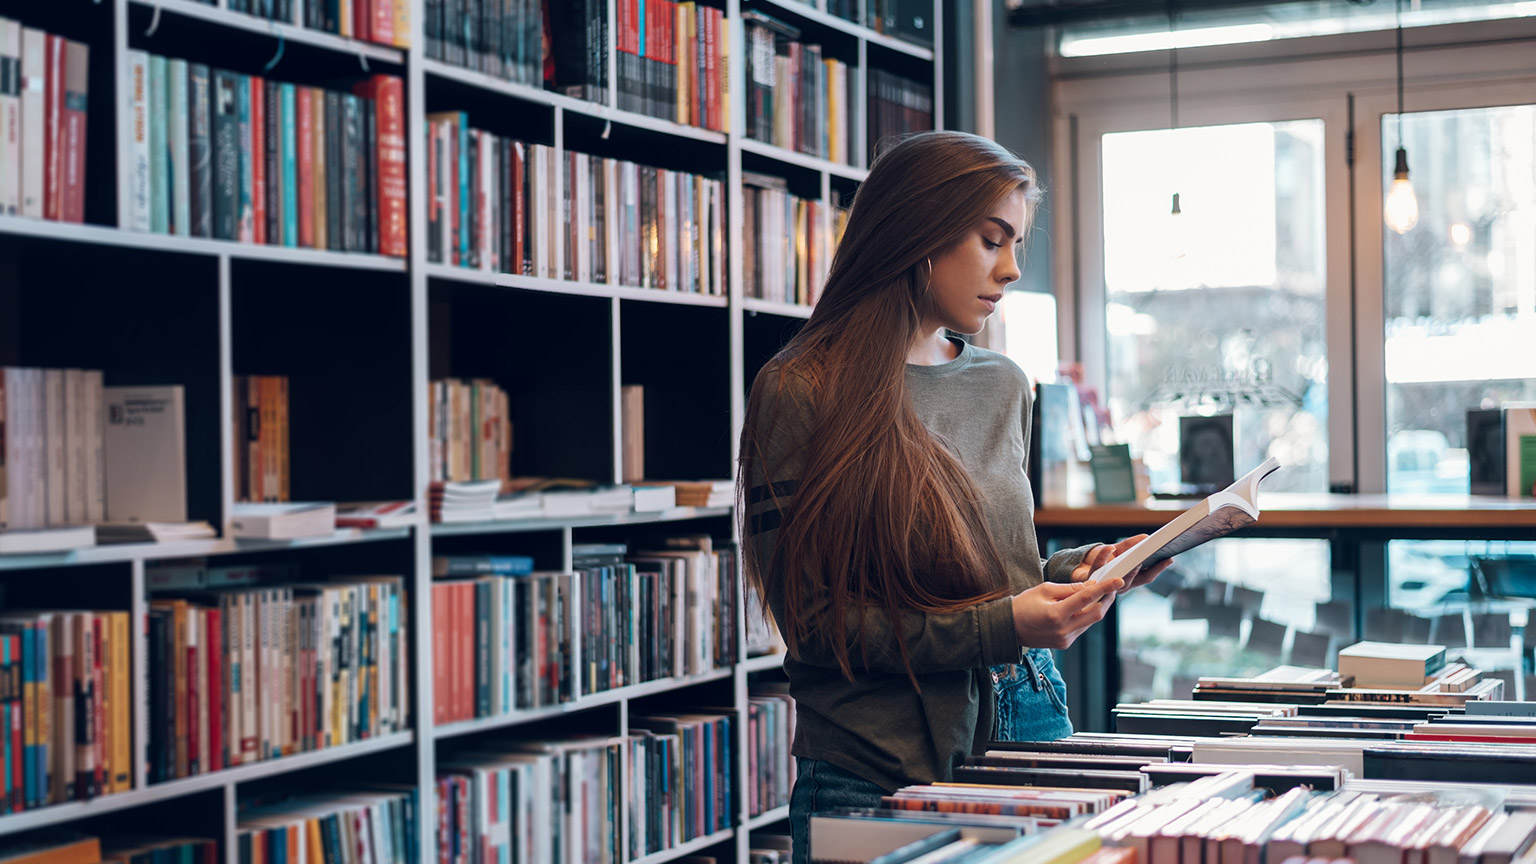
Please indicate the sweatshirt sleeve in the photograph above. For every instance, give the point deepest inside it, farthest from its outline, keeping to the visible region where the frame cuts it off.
(1059, 567)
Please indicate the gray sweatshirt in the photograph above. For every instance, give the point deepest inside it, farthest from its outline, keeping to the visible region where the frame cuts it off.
(879, 727)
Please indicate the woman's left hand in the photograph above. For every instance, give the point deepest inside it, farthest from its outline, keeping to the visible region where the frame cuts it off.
(1098, 556)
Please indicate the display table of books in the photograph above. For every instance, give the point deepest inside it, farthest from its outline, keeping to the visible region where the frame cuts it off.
(1307, 764)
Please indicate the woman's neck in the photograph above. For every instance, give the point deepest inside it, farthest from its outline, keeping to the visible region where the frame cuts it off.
(932, 349)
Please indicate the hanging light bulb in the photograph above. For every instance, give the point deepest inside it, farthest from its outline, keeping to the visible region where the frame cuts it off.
(1402, 204)
(1402, 209)
(1178, 240)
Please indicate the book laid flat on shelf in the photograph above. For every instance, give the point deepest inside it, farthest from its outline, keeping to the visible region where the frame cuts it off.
(1224, 512)
(376, 514)
(20, 541)
(1388, 665)
(289, 521)
(154, 532)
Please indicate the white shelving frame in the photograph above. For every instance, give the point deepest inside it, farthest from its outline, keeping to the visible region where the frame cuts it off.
(418, 747)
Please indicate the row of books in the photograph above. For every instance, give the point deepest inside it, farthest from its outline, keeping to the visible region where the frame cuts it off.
(386, 22)
(470, 424)
(52, 448)
(43, 102)
(680, 779)
(789, 241)
(71, 846)
(236, 157)
(496, 204)
(672, 60)
(770, 733)
(897, 106)
(240, 675)
(528, 802)
(796, 98)
(501, 38)
(64, 706)
(513, 639)
(261, 423)
(365, 827)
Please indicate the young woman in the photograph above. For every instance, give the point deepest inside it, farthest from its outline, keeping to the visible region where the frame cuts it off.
(885, 511)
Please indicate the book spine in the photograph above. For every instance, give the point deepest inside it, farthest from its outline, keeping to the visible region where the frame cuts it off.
(227, 214)
(53, 127)
(245, 157)
(178, 143)
(257, 156)
(334, 144)
(72, 160)
(199, 151)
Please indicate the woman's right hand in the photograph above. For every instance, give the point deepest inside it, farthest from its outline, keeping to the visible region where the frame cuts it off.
(1052, 615)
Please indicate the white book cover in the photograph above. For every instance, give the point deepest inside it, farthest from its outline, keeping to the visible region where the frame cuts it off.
(177, 131)
(484, 199)
(539, 201)
(582, 225)
(77, 465)
(56, 444)
(138, 140)
(283, 521)
(145, 447)
(10, 117)
(671, 240)
(12, 489)
(95, 449)
(34, 65)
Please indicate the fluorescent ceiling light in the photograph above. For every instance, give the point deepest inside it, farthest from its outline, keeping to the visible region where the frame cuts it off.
(1163, 40)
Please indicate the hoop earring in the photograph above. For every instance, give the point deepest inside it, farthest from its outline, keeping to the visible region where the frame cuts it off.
(929, 285)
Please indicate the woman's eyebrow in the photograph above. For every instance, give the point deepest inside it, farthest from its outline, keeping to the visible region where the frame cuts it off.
(1003, 222)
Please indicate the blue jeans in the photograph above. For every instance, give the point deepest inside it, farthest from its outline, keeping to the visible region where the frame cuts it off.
(821, 786)
(1031, 699)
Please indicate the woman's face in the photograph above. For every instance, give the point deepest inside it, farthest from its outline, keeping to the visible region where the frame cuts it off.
(969, 277)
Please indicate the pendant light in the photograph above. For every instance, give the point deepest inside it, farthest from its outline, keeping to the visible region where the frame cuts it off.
(1402, 210)
(1177, 242)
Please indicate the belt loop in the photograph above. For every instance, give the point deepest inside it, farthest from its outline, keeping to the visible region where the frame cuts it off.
(1034, 676)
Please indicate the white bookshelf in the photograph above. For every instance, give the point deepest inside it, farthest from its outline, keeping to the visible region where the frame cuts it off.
(233, 280)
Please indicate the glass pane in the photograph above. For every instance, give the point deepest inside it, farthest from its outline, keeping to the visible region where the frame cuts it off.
(1460, 288)
(1233, 607)
(1472, 596)
(1220, 309)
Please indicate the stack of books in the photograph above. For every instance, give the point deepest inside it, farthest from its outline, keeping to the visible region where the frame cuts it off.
(43, 112)
(236, 157)
(770, 733)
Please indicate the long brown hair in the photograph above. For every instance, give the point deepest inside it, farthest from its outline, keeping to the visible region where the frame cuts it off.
(884, 515)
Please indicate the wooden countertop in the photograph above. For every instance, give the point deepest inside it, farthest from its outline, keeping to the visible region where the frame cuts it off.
(1320, 511)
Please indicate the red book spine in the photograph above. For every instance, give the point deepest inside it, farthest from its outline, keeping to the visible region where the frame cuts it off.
(362, 19)
(98, 704)
(257, 148)
(711, 48)
(384, 21)
(388, 95)
(72, 171)
(441, 697)
(215, 690)
(304, 148)
(194, 695)
(466, 631)
(53, 126)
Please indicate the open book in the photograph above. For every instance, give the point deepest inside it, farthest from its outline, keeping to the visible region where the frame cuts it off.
(1234, 507)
